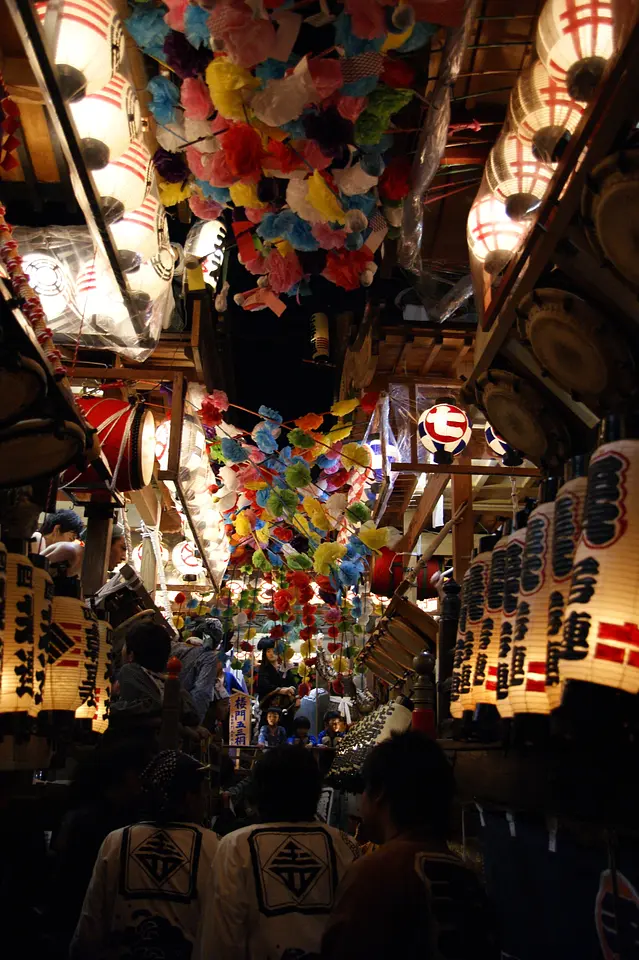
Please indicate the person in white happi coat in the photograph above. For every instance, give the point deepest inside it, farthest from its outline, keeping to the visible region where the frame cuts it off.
(150, 879)
(274, 883)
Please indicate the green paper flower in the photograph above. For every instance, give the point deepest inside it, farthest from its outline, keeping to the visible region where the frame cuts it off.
(300, 439)
(282, 502)
(298, 475)
(260, 561)
(299, 561)
(358, 513)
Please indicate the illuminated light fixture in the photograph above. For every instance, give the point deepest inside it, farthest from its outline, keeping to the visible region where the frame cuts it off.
(43, 593)
(485, 665)
(107, 121)
(153, 277)
(88, 708)
(89, 45)
(542, 112)
(192, 447)
(136, 557)
(444, 430)
(510, 457)
(72, 655)
(456, 708)
(17, 666)
(185, 561)
(50, 281)
(140, 233)
(99, 299)
(574, 41)
(205, 245)
(514, 555)
(102, 697)
(392, 455)
(320, 337)
(492, 236)
(124, 183)
(515, 177)
(476, 589)
(601, 628)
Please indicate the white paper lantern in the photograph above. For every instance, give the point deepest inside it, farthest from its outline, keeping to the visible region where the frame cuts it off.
(18, 654)
(50, 281)
(103, 682)
(72, 655)
(107, 121)
(492, 236)
(153, 277)
(89, 706)
(569, 510)
(514, 556)
(485, 673)
(574, 41)
(89, 44)
(476, 587)
(141, 232)
(124, 183)
(527, 676)
(99, 300)
(516, 177)
(205, 244)
(136, 556)
(392, 455)
(444, 430)
(459, 653)
(542, 112)
(185, 561)
(43, 599)
(601, 627)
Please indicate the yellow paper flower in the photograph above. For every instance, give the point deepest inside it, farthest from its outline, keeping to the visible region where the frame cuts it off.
(339, 432)
(242, 524)
(245, 195)
(374, 538)
(326, 555)
(302, 524)
(264, 534)
(287, 653)
(179, 622)
(341, 664)
(343, 407)
(307, 648)
(355, 455)
(283, 247)
(322, 198)
(303, 671)
(250, 633)
(226, 81)
(316, 513)
(256, 484)
(172, 193)
(394, 41)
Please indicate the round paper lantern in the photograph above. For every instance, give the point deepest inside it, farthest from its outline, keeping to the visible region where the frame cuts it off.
(574, 41)
(205, 244)
(569, 510)
(140, 233)
(153, 277)
(542, 112)
(392, 454)
(500, 448)
(99, 300)
(192, 447)
(107, 121)
(485, 672)
(50, 281)
(492, 236)
(102, 697)
(72, 655)
(444, 430)
(136, 557)
(43, 599)
(601, 627)
(514, 555)
(516, 177)
(527, 677)
(185, 561)
(476, 588)
(89, 45)
(124, 183)
(18, 655)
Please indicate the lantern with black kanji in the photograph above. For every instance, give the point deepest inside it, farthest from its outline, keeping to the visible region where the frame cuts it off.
(92, 661)
(476, 587)
(569, 510)
(527, 677)
(444, 430)
(103, 680)
(17, 680)
(43, 600)
(456, 708)
(73, 651)
(485, 674)
(512, 576)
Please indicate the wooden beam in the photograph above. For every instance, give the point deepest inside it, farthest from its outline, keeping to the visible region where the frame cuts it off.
(98, 545)
(177, 416)
(196, 314)
(402, 353)
(437, 344)
(140, 374)
(466, 469)
(463, 539)
(412, 417)
(432, 492)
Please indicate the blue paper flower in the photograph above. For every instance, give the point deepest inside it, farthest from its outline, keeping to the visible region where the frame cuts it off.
(269, 414)
(344, 37)
(300, 235)
(422, 32)
(147, 27)
(264, 439)
(233, 451)
(273, 69)
(295, 129)
(165, 97)
(349, 573)
(382, 146)
(365, 202)
(196, 26)
(221, 194)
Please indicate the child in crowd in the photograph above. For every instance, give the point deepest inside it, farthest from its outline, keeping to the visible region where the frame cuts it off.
(331, 730)
(301, 736)
(272, 734)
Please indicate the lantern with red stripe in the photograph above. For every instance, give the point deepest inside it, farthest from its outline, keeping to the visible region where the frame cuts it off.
(601, 627)
(89, 44)
(141, 232)
(107, 121)
(72, 655)
(99, 299)
(485, 671)
(542, 112)
(153, 277)
(444, 430)
(492, 236)
(574, 41)
(18, 651)
(103, 683)
(124, 183)
(516, 177)
(514, 555)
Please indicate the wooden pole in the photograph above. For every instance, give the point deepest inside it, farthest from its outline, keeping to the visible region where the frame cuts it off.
(463, 539)
(98, 545)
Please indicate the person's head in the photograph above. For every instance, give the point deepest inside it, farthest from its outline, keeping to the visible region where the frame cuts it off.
(331, 721)
(301, 726)
(210, 631)
(408, 785)
(341, 725)
(117, 553)
(111, 774)
(63, 526)
(269, 653)
(147, 644)
(287, 784)
(175, 787)
(273, 716)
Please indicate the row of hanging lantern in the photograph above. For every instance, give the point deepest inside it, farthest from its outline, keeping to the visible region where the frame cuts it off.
(445, 430)
(54, 653)
(558, 600)
(575, 39)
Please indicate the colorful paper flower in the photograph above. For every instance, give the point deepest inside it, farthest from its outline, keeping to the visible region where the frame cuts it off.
(326, 556)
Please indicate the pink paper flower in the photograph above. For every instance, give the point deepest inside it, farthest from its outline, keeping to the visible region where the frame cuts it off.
(351, 107)
(174, 18)
(196, 99)
(203, 208)
(255, 214)
(328, 238)
(283, 272)
(199, 163)
(314, 156)
(367, 18)
(219, 173)
(326, 76)
(247, 40)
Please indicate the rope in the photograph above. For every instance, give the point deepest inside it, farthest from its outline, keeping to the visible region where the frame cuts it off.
(152, 534)
(127, 535)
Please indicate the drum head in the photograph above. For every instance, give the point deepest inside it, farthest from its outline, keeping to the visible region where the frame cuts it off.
(37, 448)
(20, 387)
(515, 418)
(611, 204)
(144, 431)
(406, 635)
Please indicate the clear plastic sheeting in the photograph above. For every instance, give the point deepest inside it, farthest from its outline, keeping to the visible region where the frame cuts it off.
(81, 299)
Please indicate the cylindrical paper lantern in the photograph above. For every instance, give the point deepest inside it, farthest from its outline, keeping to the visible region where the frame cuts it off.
(99, 300)
(456, 708)
(478, 576)
(72, 655)
(516, 177)
(89, 705)
(485, 675)
(43, 600)
(16, 691)
(3, 599)
(153, 276)
(569, 509)
(514, 555)
(542, 112)
(574, 41)
(124, 183)
(141, 232)
(601, 627)
(50, 281)
(103, 682)
(492, 236)
(89, 44)
(107, 121)
(527, 678)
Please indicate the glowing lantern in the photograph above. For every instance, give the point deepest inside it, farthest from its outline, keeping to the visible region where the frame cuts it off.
(574, 41)
(88, 708)
(514, 555)
(392, 454)
(485, 668)
(459, 653)
(476, 588)
(569, 510)
(192, 447)
(103, 682)
(72, 655)
(124, 183)
(515, 177)
(136, 557)
(205, 244)
(542, 112)
(50, 282)
(140, 233)
(444, 430)
(601, 627)
(492, 236)
(500, 448)
(89, 45)
(185, 561)
(153, 276)
(107, 121)
(42, 600)
(17, 679)
(99, 300)
(320, 337)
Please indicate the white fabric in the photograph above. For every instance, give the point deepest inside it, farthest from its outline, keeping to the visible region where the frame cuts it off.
(273, 890)
(147, 890)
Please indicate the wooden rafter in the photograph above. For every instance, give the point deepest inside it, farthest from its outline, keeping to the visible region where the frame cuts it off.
(432, 492)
